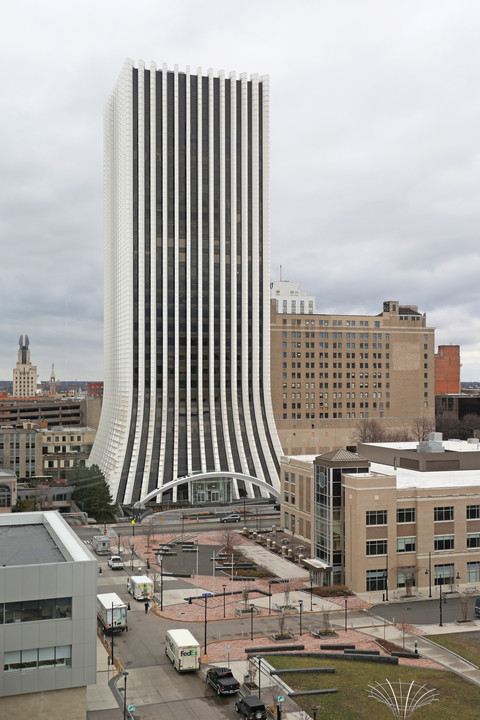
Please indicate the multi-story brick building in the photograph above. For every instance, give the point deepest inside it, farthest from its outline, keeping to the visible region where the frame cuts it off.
(447, 370)
(331, 371)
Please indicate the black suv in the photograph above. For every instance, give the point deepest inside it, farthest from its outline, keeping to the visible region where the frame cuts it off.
(222, 680)
(251, 708)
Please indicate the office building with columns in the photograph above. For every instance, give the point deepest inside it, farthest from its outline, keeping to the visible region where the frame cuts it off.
(187, 308)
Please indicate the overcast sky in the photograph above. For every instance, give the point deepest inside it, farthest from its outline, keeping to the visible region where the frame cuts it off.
(375, 117)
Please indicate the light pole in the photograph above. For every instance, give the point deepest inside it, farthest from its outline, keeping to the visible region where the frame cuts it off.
(259, 658)
(125, 675)
(346, 610)
(269, 597)
(111, 630)
(224, 589)
(161, 584)
(311, 591)
(441, 607)
(429, 573)
(300, 602)
(205, 596)
(386, 578)
(314, 710)
(183, 524)
(251, 620)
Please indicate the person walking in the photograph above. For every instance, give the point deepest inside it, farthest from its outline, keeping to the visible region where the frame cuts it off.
(146, 606)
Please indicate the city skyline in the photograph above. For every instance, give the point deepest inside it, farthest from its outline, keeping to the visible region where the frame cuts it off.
(373, 147)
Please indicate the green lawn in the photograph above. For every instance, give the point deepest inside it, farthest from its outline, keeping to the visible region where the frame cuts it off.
(465, 644)
(457, 697)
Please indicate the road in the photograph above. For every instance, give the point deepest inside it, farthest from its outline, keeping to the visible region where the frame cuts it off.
(152, 679)
(426, 612)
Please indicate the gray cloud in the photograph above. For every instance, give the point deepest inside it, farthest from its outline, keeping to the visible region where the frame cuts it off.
(374, 155)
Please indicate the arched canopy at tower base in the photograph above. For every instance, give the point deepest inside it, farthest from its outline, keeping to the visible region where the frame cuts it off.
(208, 476)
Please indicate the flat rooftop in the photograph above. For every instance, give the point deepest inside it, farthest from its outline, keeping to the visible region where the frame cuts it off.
(39, 538)
(27, 545)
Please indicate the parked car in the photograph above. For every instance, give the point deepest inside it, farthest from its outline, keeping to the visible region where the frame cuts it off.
(222, 680)
(276, 506)
(115, 562)
(234, 517)
(477, 606)
(251, 708)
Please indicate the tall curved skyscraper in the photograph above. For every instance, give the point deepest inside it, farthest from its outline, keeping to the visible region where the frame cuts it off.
(187, 308)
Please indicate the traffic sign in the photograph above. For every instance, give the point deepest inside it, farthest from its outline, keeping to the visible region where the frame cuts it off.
(131, 708)
(281, 698)
(133, 522)
(207, 594)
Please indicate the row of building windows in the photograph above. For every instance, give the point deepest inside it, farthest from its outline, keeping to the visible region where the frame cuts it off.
(444, 574)
(407, 515)
(34, 610)
(408, 544)
(352, 323)
(49, 657)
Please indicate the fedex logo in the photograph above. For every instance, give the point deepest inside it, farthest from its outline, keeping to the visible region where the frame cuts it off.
(188, 653)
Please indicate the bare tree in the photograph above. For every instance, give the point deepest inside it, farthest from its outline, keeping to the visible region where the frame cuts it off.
(252, 671)
(286, 593)
(422, 427)
(409, 572)
(228, 539)
(149, 530)
(369, 430)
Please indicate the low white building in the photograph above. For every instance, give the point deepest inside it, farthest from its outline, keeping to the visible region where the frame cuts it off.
(48, 585)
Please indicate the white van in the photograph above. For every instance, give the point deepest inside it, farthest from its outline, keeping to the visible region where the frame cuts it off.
(182, 649)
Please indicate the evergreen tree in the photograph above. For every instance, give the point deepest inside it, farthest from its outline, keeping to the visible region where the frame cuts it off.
(91, 492)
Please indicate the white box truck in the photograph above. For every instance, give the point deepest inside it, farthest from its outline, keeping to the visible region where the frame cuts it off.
(182, 649)
(101, 544)
(140, 586)
(112, 612)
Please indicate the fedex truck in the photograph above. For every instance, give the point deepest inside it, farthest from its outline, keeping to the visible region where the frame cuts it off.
(182, 649)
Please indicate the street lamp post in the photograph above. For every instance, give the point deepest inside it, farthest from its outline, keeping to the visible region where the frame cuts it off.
(161, 584)
(441, 607)
(269, 597)
(311, 591)
(111, 630)
(314, 710)
(259, 658)
(386, 578)
(125, 675)
(224, 589)
(205, 595)
(300, 602)
(251, 620)
(346, 610)
(429, 573)
(183, 524)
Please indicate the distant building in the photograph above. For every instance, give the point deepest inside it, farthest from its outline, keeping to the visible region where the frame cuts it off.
(95, 389)
(290, 298)
(447, 370)
(21, 450)
(24, 374)
(48, 628)
(64, 448)
(32, 451)
(330, 372)
(52, 411)
(8, 490)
